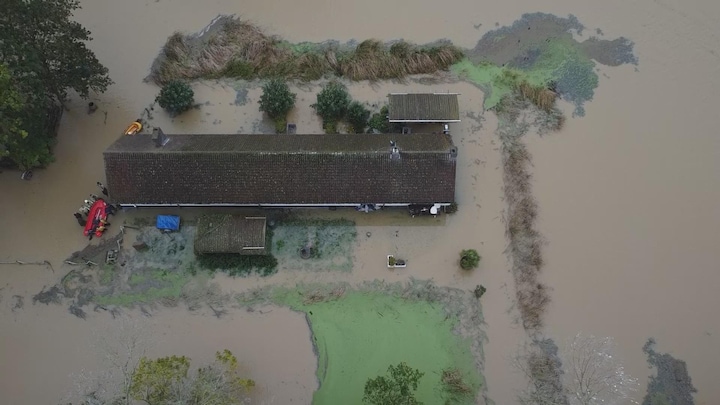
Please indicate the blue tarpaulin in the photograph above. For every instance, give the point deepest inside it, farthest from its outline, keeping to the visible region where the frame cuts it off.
(168, 222)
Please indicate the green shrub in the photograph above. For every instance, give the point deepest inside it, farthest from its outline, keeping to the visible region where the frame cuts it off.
(330, 127)
(397, 387)
(332, 103)
(176, 97)
(277, 99)
(357, 117)
(239, 265)
(479, 290)
(469, 259)
(451, 209)
(379, 121)
(239, 70)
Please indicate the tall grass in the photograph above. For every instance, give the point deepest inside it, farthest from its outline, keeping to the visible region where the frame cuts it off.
(240, 49)
(542, 97)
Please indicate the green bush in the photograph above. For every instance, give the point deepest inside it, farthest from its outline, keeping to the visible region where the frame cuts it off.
(396, 388)
(451, 209)
(239, 265)
(332, 103)
(357, 117)
(469, 259)
(379, 121)
(239, 70)
(277, 99)
(176, 97)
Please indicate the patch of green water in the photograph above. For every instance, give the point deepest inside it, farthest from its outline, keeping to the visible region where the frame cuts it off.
(360, 334)
(542, 50)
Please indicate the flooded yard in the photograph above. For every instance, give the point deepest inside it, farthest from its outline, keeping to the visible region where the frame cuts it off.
(627, 197)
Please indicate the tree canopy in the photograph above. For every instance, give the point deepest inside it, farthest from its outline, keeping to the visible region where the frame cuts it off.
(43, 54)
(42, 44)
(166, 381)
(11, 104)
(398, 388)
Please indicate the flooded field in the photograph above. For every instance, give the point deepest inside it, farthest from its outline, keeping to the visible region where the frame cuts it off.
(628, 197)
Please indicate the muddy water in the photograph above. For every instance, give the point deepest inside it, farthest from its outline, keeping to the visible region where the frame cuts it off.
(628, 194)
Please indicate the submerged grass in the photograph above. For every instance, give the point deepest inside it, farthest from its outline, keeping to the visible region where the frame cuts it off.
(239, 49)
(148, 287)
(330, 244)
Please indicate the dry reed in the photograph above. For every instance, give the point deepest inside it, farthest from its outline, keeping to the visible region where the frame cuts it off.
(542, 97)
(525, 245)
(231, 42)
(454, 383)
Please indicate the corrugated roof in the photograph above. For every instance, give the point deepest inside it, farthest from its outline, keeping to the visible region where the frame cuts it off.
(282, 169)
(420, 107)
(230, 234)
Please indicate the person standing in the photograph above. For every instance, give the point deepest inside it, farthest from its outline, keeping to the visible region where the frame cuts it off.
(80, 219)
(103, 189)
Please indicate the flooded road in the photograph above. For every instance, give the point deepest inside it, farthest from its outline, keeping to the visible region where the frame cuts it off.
(628, 195)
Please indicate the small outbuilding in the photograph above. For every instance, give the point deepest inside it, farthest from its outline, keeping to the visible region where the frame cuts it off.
(423, 108)
(237, 234)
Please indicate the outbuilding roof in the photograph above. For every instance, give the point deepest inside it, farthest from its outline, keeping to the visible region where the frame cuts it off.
(423, 107)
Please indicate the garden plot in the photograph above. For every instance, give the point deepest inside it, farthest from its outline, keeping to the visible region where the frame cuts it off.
(314, 244)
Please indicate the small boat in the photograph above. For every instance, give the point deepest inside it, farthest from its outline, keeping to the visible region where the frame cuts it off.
(134, 128)
(96, 216)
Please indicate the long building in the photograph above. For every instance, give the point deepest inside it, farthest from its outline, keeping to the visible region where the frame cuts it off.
(281, 170)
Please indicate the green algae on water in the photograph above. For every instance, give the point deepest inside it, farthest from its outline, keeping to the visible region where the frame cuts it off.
(359, 335)
(541, 49)
(359, 331)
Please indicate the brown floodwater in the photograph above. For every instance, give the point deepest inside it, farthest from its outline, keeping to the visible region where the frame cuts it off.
(629, 196)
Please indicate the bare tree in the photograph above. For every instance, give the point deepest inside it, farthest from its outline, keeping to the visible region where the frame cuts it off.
(122, 347)
(584, 373)
(593, 375)
(124, 356)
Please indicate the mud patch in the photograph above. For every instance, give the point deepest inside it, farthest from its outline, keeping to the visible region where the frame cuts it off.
(154, 273)
(672, 384)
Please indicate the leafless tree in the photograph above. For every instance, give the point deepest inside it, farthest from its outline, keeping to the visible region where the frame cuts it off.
(122, 348)
(593, 375)
(585, 372)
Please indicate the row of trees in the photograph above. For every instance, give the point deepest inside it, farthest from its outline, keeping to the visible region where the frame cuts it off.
(333, 105)
(43, 57)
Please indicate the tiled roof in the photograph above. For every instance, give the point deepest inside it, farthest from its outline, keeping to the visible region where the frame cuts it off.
(230, 234)
(431, 107)
(281, 169)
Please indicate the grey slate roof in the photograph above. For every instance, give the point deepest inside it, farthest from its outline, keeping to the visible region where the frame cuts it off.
(430, 107)
(281, 169)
